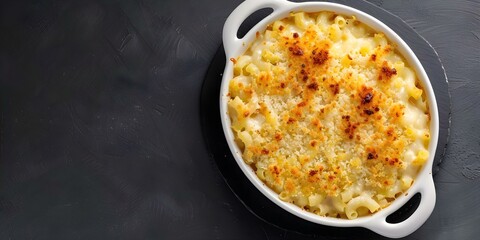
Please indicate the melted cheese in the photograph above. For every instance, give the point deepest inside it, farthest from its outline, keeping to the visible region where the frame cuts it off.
(329, 114)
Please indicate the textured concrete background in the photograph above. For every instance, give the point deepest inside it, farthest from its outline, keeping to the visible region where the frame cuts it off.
(100, 133)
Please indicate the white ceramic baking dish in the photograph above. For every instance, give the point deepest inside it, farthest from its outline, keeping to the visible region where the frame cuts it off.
(423, 183)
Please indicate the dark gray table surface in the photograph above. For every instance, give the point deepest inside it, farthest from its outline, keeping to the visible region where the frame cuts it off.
(100, 131)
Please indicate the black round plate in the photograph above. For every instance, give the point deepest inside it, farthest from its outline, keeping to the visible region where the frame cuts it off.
(255, 201)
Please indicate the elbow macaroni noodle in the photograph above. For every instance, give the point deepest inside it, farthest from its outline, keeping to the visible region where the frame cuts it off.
(329, 114)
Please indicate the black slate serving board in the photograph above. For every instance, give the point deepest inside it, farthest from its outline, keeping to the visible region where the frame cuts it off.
(241, 186)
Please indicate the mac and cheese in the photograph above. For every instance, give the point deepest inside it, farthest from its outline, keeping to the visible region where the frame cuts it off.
(329, 114)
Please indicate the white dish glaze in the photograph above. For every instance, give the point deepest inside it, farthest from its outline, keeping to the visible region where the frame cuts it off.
(423, 183)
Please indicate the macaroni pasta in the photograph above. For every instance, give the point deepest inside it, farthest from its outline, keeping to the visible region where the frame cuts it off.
(329, 114)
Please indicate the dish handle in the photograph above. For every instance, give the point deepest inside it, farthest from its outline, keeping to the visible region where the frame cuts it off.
(236, 18)
(417, 219)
